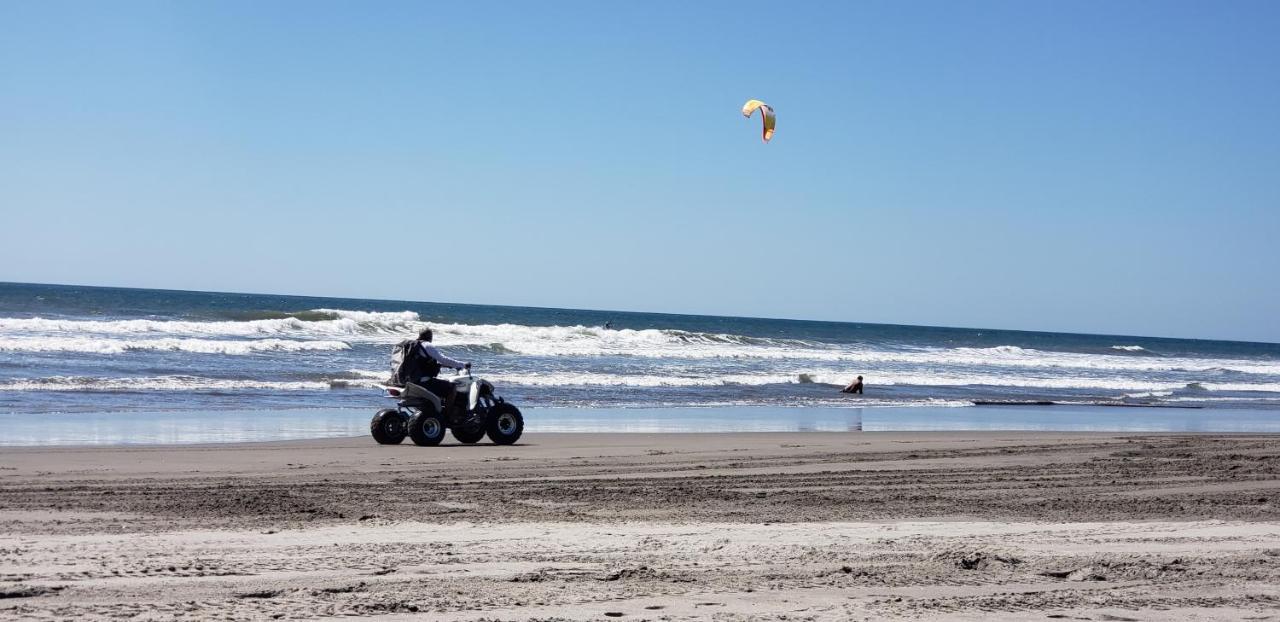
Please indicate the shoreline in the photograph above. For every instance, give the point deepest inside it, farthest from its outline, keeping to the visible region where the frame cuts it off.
(622, 439)
(139, 428)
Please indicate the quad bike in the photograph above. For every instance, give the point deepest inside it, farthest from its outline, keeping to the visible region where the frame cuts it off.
(475, 412)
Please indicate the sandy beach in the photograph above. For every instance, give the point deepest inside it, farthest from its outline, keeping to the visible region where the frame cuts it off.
(798, 526)
(808, 312)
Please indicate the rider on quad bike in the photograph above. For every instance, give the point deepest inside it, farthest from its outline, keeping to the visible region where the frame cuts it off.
(428, 406)
(430, 361)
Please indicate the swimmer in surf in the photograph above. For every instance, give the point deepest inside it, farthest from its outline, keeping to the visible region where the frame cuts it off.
(854, 387)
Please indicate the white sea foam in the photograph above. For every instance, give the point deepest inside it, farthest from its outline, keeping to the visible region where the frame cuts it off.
(327, 326)
(588, 379)
(651, 343)
(370, 374)
(1149, 394)
(1107, 384)
(355, 383)
(1261, 387)
(154, 383)
(373, 326)
(1129, 348)
(1216, 398)
(386, 318)
(178, 383)
(372, 379)
(594, 341)
(90, 345)
(1012, 356)
(840, 378)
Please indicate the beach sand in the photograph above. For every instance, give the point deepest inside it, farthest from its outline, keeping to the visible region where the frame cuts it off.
(796, 526)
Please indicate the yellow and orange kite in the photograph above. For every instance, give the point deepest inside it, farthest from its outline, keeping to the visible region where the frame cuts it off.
(766, 114)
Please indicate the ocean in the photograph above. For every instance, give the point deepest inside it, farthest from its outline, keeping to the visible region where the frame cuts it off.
(68, 349)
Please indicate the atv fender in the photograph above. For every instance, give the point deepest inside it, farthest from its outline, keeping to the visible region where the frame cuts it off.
(414, 393)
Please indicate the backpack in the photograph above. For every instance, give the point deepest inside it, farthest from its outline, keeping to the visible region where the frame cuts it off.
(409, 364)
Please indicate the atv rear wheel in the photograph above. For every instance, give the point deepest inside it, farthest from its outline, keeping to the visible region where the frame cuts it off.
(426, 428)
(506, 424)
(387, 427)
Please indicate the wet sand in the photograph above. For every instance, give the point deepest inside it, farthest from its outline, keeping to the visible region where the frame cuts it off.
(801, 526)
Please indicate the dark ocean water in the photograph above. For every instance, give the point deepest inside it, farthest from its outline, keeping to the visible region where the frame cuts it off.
(82, 349)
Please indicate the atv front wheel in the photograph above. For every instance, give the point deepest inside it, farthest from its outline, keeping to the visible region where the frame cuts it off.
(426, 429)
(387, 427)
(506, 424)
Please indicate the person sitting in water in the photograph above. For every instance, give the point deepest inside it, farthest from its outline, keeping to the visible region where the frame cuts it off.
(442, 388)
(854, 387)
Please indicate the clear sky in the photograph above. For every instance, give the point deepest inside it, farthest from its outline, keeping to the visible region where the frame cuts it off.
(1075, 166)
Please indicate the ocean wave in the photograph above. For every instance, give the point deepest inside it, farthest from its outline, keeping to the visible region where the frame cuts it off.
(1234, 387)
(585, 341)
(1013, 356)
(830, 401)
(368, 327)
(1106, 384)
(589, 379)
(155, 383)
(839, 378)
(369, 374)
(199, 346)
(388, 318)
(1149, 394)
(591, 341)
(362, 325)
(1213, 399)
(359, 378)
(180, 383)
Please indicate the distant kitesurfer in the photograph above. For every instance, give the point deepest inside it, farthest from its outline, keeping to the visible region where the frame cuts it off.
(854, 387)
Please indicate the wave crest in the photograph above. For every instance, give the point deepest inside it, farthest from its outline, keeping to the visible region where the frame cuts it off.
(153, 383)
(179, 383)
(377, 326)
(325, 327)
(197, 346)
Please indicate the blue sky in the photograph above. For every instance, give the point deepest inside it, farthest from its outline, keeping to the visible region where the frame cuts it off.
(1087, 166)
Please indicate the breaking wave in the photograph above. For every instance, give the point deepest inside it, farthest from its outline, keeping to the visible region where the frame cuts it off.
(593, 363)
(357, 378)
(179, 383)
(654, 343)
(200, 346)
(840, 378)
(154, 383)
(320, 323)
(1147, 395)
(325, 328)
